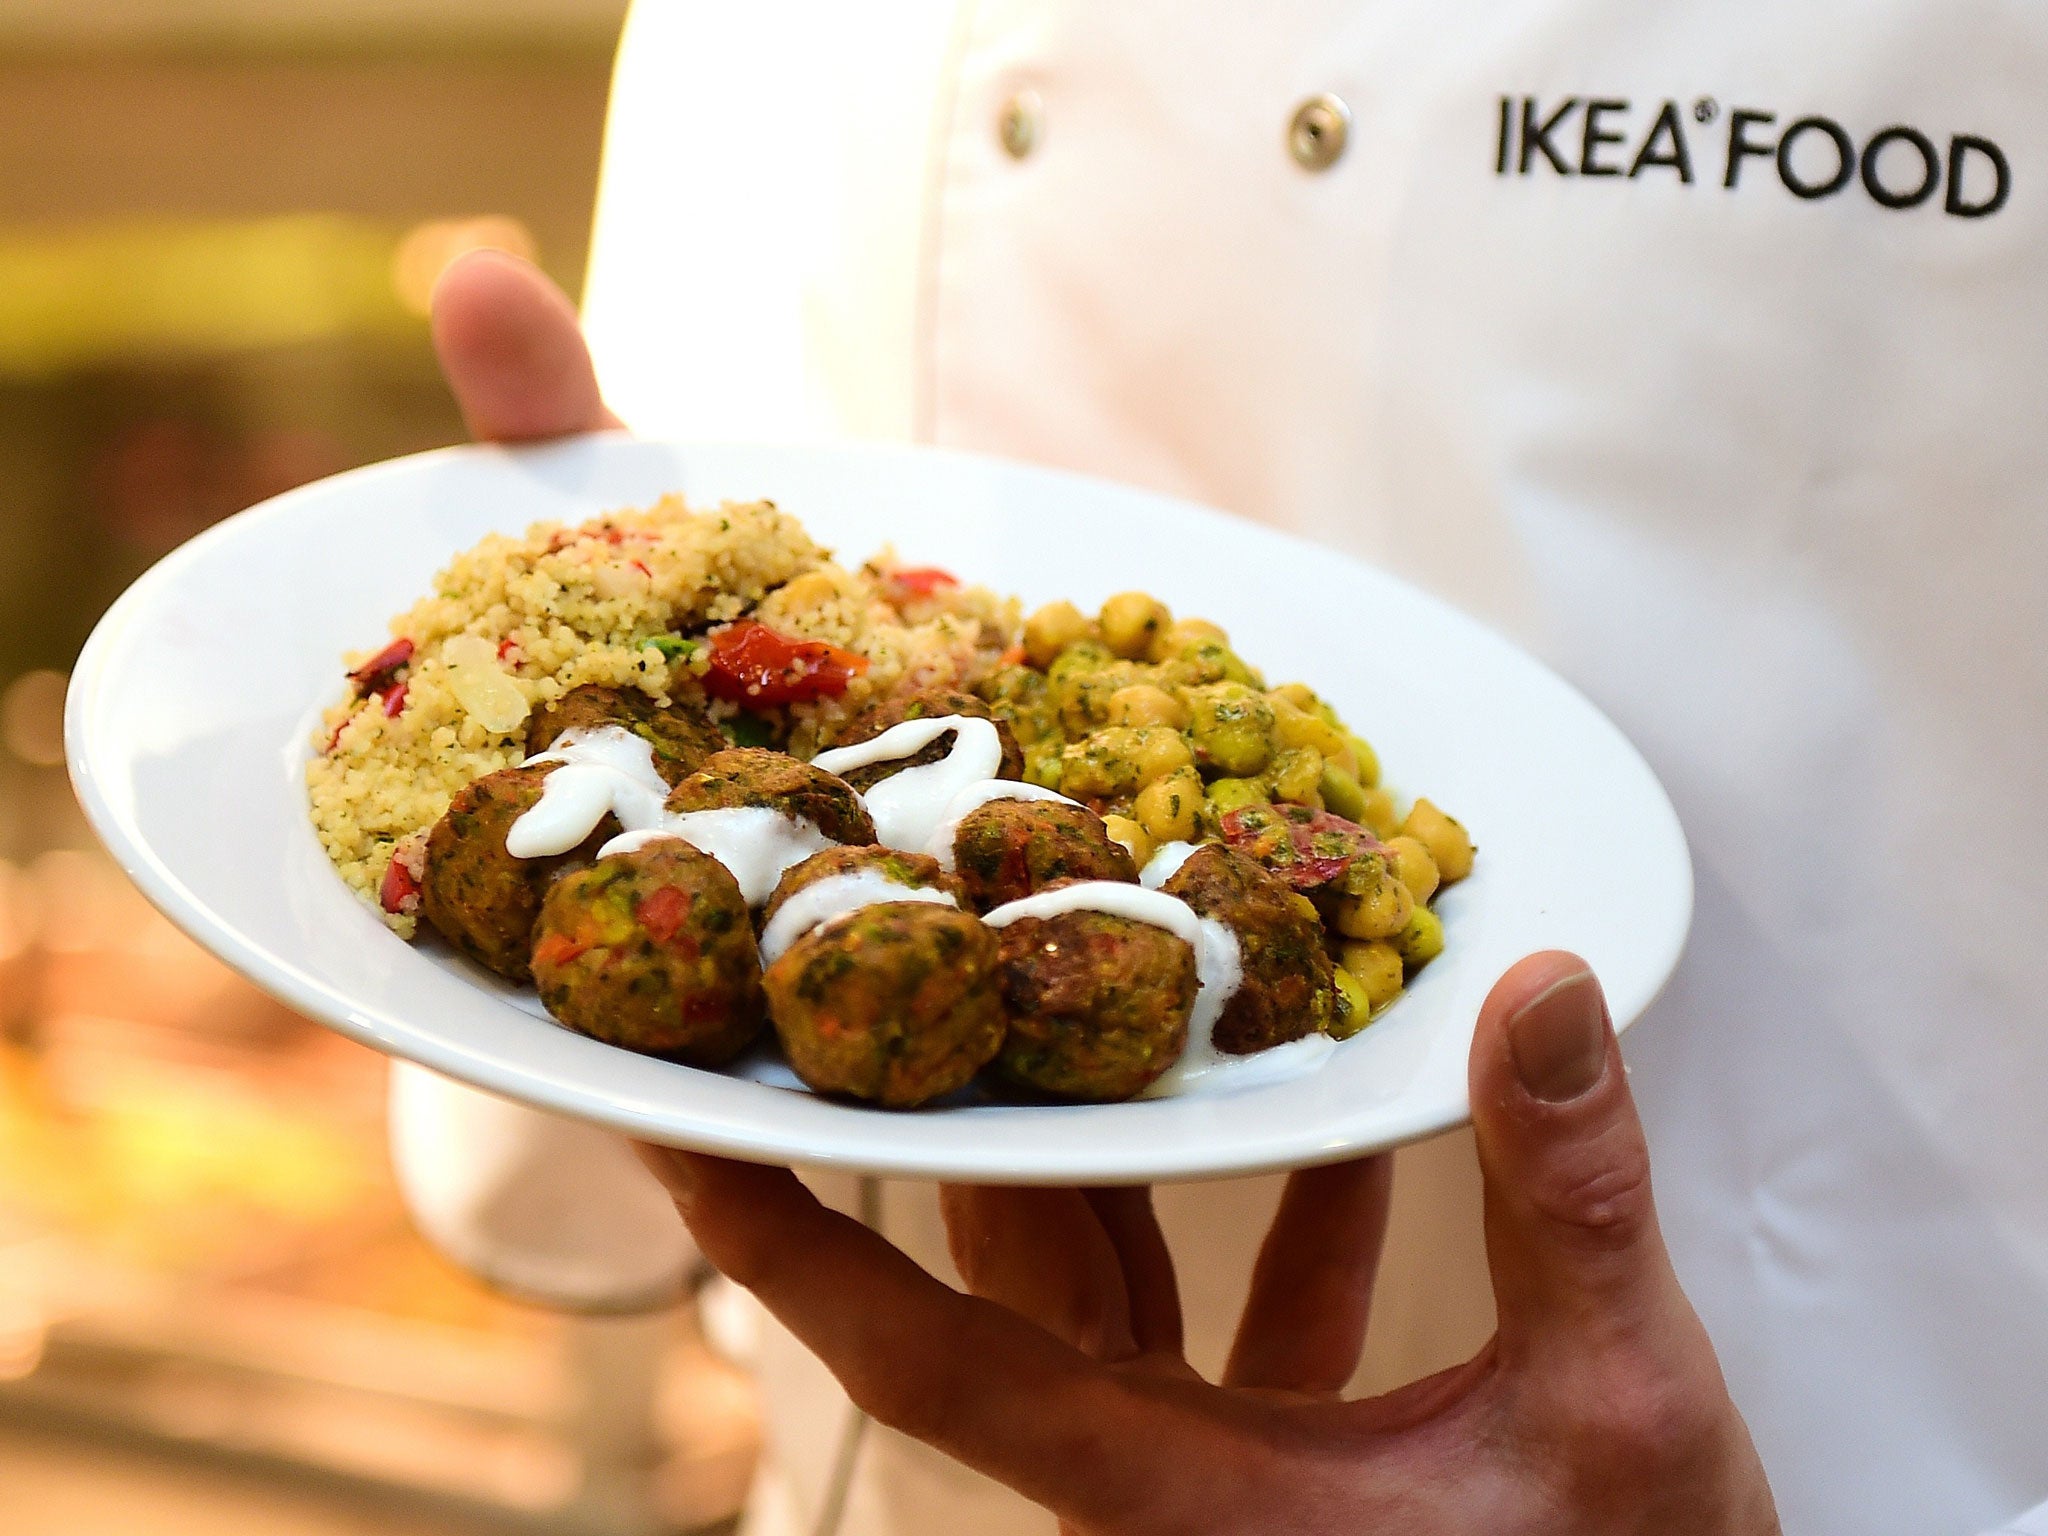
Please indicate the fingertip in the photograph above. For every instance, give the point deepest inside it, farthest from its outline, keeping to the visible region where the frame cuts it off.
(706, 1187)
(1527, 978)
(509, 341)
(1542, 1033)
(668, 1168)
(467, 308)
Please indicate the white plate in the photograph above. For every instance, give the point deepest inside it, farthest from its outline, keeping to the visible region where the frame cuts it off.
(192, 703)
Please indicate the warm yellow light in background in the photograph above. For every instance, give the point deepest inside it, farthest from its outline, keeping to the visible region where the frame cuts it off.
(32, 718)
(139, 288)
(17, 912)
(427, 250)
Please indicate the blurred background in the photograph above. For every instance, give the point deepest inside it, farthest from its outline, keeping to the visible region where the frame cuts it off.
(219, 223)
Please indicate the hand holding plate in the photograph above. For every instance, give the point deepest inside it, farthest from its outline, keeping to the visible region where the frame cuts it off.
(1597, 1408)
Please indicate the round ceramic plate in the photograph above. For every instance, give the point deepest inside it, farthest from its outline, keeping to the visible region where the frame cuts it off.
(192, 706)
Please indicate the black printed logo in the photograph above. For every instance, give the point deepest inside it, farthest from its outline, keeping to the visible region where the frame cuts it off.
(1812, 157)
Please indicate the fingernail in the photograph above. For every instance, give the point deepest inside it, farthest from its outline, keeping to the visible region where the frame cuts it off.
(1559, 1039)
(674, 1169)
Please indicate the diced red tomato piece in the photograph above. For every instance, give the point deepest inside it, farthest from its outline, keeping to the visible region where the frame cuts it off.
(753, 664)
(400, 891)
(508, 650)
(923, 580)
(1304, 847)
(663, 912)
(376, 674)
(394, 701)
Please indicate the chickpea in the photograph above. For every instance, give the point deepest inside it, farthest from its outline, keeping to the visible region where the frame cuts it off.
(1294, 726)
(1020, 696)
(1296, 777)
(1421, 938)
(1078, 657)
(1158, 752)
(1377, 965)
(1448, 842)
(1146, 704)
(1209, 661)
(1227, 795)
(1368, 902)
(1301, 696)
(1368, 772)
(1101, 765)
(1232, 726)
(1134, 838)
(1341, 794)
(1354, 1008)
(1181, 634)
(1168, 809)
(1052, 629)
(1131, 621)
(1042, 765)
(1121, 760)
(1082, 682)
(1413, 867)
(1377, 814)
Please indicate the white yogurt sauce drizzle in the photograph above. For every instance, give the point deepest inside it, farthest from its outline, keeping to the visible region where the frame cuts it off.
(609, 769)
(603, 770)
(1164, 864)
(1219, 972)
(907, 807)
(836, 896)
(759, 845)
(919, 810)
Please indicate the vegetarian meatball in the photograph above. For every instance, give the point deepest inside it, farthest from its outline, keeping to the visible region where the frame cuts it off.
(652, 950)
(1007, 849)
(680, 733)
(898, 1004)
(1098, 1004)
(475, 894)
(923, 704)
(756, 776)
(911, 869)
(1289, 988)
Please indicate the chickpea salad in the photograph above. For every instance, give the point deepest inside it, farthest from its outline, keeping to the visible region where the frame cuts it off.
(712, 793)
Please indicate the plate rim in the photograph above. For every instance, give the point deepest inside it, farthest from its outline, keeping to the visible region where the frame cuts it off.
(393, 1036)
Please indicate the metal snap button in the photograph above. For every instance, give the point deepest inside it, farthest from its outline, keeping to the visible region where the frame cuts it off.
(1018, 126)
(1317, 133)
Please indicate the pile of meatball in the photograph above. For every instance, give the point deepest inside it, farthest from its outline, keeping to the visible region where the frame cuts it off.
(898, 1003)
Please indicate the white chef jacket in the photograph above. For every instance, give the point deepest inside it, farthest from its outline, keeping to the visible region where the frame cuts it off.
(1700, 347)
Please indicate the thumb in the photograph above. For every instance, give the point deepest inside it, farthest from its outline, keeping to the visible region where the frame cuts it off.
(513, 352)
(1571, 1235)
